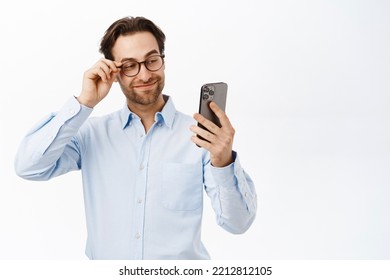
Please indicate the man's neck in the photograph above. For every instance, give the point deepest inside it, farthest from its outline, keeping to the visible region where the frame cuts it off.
(147, 112)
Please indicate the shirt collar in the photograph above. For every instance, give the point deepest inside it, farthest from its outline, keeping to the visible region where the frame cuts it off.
(166, 116)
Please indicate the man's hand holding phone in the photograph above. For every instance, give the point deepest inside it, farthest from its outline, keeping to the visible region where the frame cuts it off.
(217, 140)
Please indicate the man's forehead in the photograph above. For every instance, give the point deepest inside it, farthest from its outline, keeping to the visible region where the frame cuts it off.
(134, 46)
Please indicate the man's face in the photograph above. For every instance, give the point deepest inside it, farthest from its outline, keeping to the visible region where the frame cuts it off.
(146, 87)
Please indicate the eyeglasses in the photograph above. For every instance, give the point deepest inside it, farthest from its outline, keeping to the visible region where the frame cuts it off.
(153, 63)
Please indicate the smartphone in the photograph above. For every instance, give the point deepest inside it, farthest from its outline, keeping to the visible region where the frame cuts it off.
(216, 92)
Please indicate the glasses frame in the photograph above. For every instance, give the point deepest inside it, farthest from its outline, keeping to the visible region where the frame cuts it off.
(162, 56)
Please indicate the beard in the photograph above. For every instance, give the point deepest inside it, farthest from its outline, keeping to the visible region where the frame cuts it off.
(144, 96)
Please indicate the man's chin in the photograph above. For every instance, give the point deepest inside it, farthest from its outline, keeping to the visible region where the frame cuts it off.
(145, 97)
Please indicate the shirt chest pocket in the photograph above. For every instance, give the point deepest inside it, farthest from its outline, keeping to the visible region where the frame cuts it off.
(182, 186)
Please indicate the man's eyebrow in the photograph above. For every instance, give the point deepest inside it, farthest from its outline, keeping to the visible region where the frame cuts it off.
(145, 56)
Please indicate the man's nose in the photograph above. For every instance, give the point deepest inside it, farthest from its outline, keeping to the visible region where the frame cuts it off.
(144, 74)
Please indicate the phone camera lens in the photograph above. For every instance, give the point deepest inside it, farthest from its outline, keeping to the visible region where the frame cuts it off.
(211, 92)
(205, 96)
(206, 89)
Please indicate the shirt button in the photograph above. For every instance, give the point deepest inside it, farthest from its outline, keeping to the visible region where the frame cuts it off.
(137, 236)
(141, 167)
(139, 201)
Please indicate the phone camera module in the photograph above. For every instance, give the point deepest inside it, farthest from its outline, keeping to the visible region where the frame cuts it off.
(208, 92)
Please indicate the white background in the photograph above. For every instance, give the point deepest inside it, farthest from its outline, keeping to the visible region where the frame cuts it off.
(309, 85)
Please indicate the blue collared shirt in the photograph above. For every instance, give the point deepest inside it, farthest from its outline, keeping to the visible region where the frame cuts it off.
(143, 192)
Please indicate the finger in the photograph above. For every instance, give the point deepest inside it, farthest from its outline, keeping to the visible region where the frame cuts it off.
(108, 67)
(224, 120)
(201, 143)
(99, 70)
(102, 74)
(206, 123)
(113, 65)
(205, 134)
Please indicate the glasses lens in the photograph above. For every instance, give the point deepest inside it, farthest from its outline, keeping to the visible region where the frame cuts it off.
(154, 63)
(130, 68)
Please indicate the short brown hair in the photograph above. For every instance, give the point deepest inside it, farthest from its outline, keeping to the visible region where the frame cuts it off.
(129, 25)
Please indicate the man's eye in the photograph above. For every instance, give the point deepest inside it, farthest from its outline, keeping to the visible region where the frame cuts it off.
(129, 65)
(152, 60)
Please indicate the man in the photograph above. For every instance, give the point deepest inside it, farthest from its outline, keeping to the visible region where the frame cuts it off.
(143, 174)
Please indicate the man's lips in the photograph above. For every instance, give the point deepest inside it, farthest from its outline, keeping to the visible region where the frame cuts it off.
(141, 86)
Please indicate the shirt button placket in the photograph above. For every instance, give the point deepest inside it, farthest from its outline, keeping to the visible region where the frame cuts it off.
(140, 194)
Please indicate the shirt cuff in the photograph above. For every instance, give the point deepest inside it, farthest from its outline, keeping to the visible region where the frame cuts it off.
(225, 176)
(73, 110)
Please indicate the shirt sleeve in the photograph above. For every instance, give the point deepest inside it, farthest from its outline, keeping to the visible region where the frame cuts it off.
(233, 196)
(50, 149)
